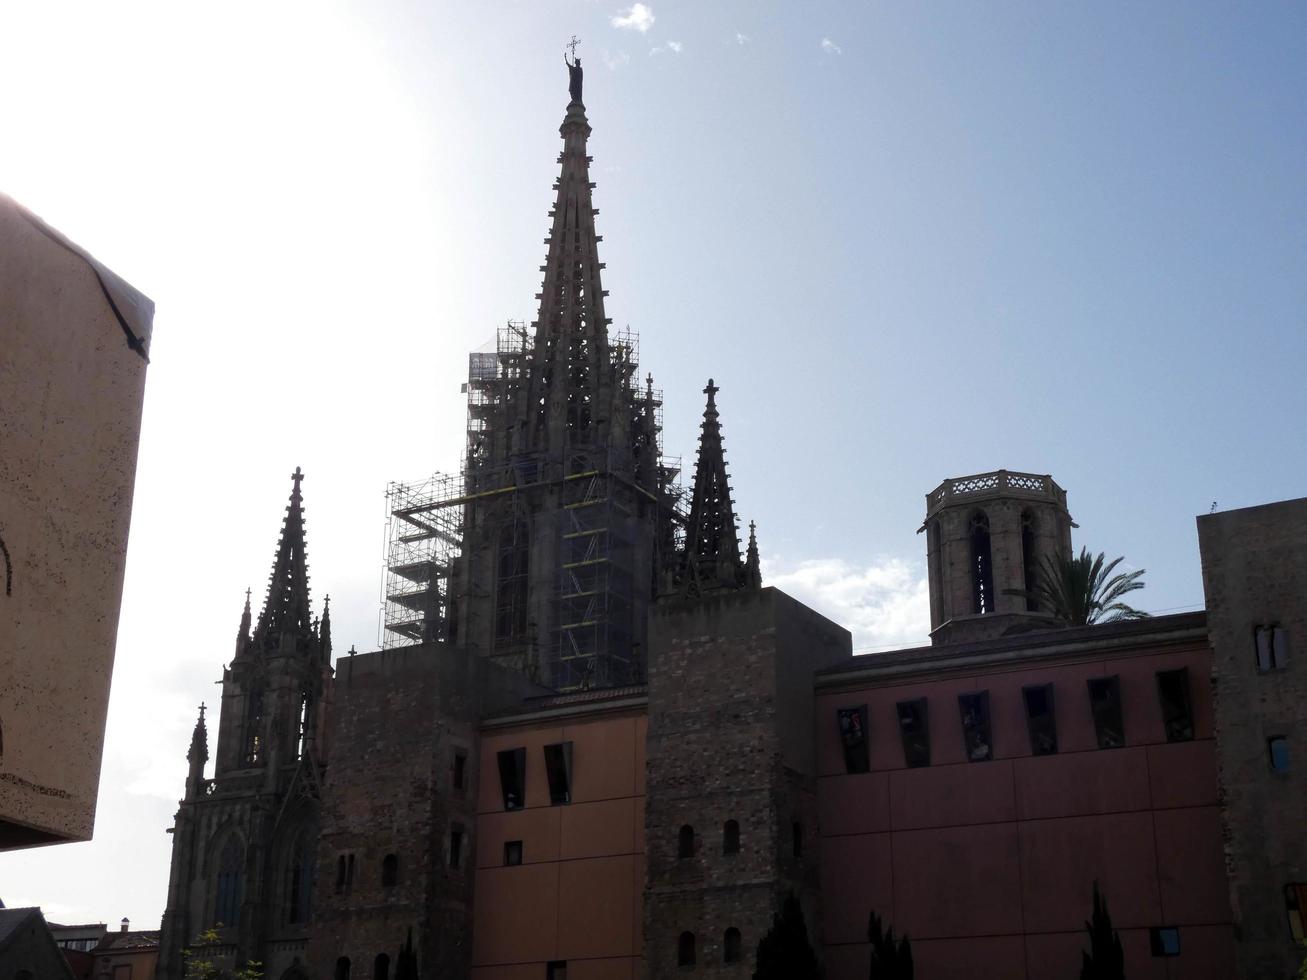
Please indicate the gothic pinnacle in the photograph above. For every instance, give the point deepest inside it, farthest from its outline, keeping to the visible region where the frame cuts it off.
(752, 564)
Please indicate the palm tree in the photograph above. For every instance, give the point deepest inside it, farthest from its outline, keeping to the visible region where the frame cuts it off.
(1082, 591)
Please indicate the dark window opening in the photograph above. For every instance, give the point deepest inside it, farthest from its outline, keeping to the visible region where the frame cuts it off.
(390, 871)
(685, 842)
(731, 951)
(459, 775)
(1164, 940)
(1105, 704)
(976, 735)
(982, 566)
(556, 970)
(730, 837)
(231, 868)
(340, 874)
(302, 739)
(511, 592)
(1040, 720)
(935, 553)
(349, 873)
(1029, 561)
(1295, 904)
(512, 778)
(853, 737)
(254, 729)
(1278, 748)
(914, 727)
(381, 967)
(558, 768)
(685, 953)
(1177, 714)
(512, 852)
(299, 880)
(796, 842)
(456, 848)
(1272, 643)
(342, 968)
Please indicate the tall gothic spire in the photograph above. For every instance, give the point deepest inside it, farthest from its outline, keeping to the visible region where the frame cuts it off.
(571, 378)
(712, 544)
(286, 608)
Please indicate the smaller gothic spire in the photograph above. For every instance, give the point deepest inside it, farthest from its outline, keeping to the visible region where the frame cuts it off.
(752, 565)
(199, 749)
(712, 544)
(324, 631)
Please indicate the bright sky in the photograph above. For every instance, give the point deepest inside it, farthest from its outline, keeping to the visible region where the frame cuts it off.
(909, 241)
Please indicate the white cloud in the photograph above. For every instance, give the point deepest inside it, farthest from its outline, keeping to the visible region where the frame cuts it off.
(637, 17)
(741, 38)
(673, 46)
(613, 59)
(884, 603)
(830, 47)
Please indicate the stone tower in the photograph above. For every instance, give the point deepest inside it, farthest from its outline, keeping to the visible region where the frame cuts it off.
(243, 841)
(567, 512)
(987, 534)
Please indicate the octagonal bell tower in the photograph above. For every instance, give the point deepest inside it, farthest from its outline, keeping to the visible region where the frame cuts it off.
(986, 534)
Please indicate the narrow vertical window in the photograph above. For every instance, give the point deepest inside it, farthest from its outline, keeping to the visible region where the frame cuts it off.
(340, 874)
(685, 952)
(685, 843)
(349, 873)
(796, 839)
(1105, 704)
(231, 875)
(511, 587)
(731, 837)
(254, 729)
(982, 565)
(1040, 721)
(853, 738)
(558, 769)
(342, 968)
(1280, 647)
(1295, 905)
(512, 853)
(299, 879)
(1278, 749)
(914, 728)
(1029, 558)
(456, 847)
(731, 946)
(936, 585)
(381, 967)
(302, 738)
(458, 776)
(1177, 714)
(512, 778)
(389, 871)
(1262, 637)
(977, 738)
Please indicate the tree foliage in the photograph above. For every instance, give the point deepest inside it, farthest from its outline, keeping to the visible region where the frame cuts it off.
(200, 967)
(1105, 959)
(785, 953)
(890, 959)
(1081, 591)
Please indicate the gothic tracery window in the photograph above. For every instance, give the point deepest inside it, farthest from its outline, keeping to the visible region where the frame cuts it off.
(230, 879)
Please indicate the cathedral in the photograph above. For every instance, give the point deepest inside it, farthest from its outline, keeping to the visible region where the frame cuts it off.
(599, 747)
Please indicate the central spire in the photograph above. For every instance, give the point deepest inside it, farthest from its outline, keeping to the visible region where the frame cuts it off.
(570, 392)
(286, 608)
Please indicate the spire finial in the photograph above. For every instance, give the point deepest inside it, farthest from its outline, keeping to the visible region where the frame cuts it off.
(573, 71)
(298, 477)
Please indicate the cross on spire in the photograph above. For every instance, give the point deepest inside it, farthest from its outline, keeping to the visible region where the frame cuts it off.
(572, 45)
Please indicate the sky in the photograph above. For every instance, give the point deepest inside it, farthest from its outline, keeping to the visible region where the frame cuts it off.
(908, 241)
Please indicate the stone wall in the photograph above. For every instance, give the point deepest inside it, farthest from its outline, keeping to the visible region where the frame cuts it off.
(1255, 574)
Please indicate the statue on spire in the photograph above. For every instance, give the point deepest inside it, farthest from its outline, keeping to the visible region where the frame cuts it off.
(573, 71)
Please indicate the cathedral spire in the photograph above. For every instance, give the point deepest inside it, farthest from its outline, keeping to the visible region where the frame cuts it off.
(286, 608)
(752, 564)
(570, 393)
(712, 544)
(324, 631)
(198, 754)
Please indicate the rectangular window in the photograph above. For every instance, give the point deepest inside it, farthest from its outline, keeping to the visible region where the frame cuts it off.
(914, 728)
(458, 777)
(1262, 637)
(1278, 749)
(1295, 904)
(853, 736)
(512, 852)
(456, 847)
(1105, 703)
(797, 831)
(512, 778)
(1164, 940)
(1040, 720)
(977, 738)
(1280, 648)
(1177, 715)
(558, 767)
(557, 970)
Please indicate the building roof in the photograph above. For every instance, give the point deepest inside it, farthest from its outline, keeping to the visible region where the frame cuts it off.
(11, 920)
(125, 941)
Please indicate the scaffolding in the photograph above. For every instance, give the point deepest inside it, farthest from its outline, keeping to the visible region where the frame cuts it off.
(423, 540)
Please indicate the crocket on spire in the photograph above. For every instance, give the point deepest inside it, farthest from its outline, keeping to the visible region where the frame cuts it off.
(712, 544)
(286, 608)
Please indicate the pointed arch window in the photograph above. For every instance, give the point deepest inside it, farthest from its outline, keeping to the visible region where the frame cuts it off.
(511, 590)
(304, 721)
(685, 952)
(1029, 560)
(254, 728)
(299, 879)
(731, 952)
(982, 565)
(381, 967)
(342, 968)
(230, 882)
